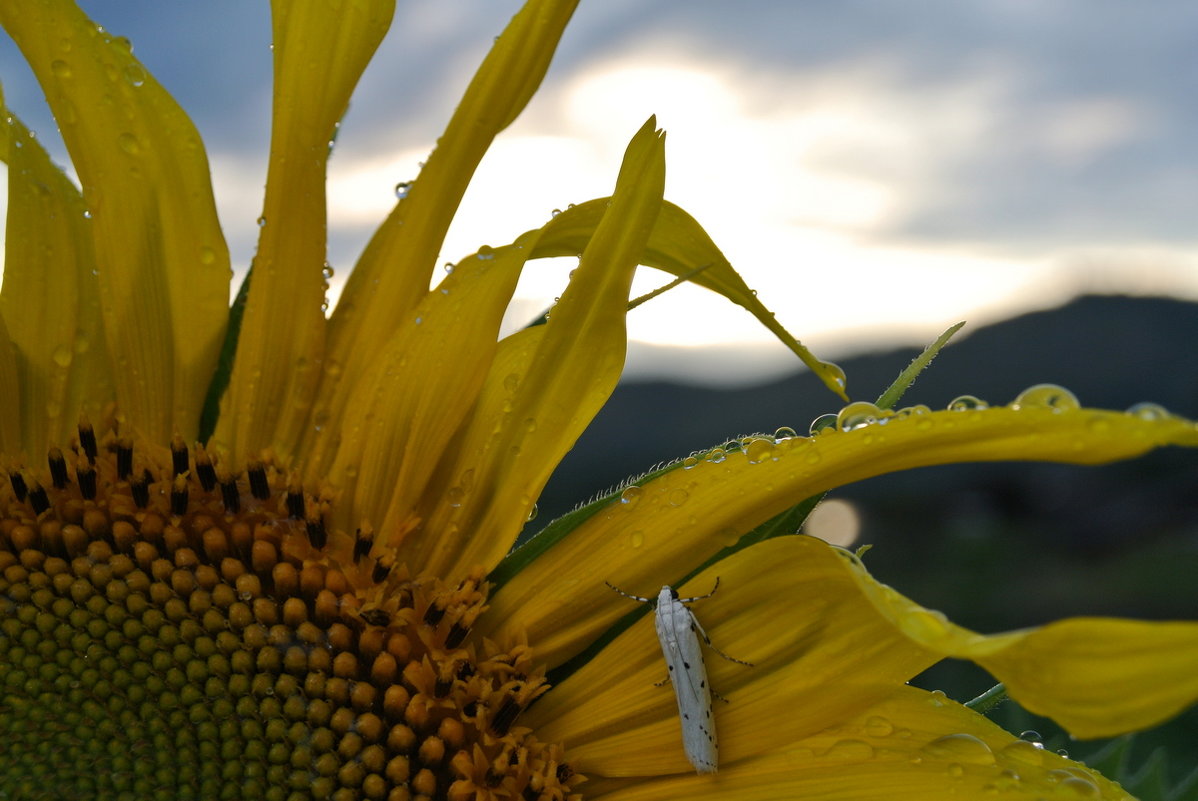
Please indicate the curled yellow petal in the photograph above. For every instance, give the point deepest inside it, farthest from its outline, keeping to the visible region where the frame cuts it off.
(567, 378)
(394, 271)
(49, 299)
(162, 260)
(407, 410)
(281, 345)
(682, 517)
(679, 245)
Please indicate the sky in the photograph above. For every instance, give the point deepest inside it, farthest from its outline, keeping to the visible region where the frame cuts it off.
(875, 171)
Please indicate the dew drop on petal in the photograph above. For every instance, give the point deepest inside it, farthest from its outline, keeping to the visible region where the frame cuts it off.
(822, 424)
(134, 75)
(784, 432)
(1046, 396)
(716, 455)
(689, 462)
(60, 68)
(486, 253)
(631, 494)
(850, 751)
(63, 356)
(959, 748)
(129, 143)
(835, 372)
(1149, 411)
(1025, 751)
(636, 539)
(1079, 787)
(677, 497)
(759, 450)
(965, 403)
(856, 415)
(878, 726)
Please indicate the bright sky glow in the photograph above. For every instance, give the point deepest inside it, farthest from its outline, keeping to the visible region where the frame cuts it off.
(867, 202)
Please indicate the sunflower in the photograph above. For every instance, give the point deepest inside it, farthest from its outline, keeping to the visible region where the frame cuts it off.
(313, 595)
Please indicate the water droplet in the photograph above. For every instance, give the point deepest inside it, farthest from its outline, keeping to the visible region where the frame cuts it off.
(1082, 788)
(959, 748)
(1030, 753)
(911, 411)
(87, 214)
(448, 267)
(835, 372)
(716, 455)
(759, 450)
(677, 497)
(1032, 736)
(1149, 411)
(1046, 396)
(530, 424)
(784, 432)
(856, 415)
(964, 403)
(532, 514)
(486, 253)
(631, 494)
(511, 381)
(454, 496)
(129, 143)
(207, 255)
(850, 751)
(134, 75)
(401, 189)
(636, 539)
(327, 271)
(262, 221)
(555, 212)
(878, 726)
(689, 462)
(60, 68)
(62, 356)
(823, 424)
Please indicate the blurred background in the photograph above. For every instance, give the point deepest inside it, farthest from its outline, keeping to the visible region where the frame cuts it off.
(877, 172)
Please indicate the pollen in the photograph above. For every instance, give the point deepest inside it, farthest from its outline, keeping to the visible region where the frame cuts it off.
(172, 629)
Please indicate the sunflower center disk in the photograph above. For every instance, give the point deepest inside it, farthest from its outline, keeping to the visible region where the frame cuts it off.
(171, 631)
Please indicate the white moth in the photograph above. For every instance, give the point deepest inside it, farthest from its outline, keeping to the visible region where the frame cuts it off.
(679, 632)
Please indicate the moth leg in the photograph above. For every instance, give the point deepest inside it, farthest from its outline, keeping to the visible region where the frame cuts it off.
(698, 628)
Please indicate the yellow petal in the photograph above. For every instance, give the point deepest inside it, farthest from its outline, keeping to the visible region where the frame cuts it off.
(162, 260)
(912, 745)
(821, 655)
(684, 516)
(394, 271)
(1097, 677)
(427, 379)
(680, 245)
(49, 299)
(10, 402)
(320, 50)
(567, 379)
